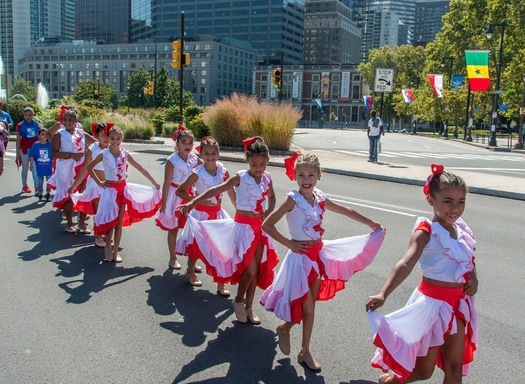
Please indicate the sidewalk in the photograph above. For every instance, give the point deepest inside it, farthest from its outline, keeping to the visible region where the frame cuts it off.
(342, 164)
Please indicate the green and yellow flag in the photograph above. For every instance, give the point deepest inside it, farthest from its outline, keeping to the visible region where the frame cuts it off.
(478, 70)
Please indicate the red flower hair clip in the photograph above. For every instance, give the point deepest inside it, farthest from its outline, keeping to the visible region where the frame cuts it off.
(247, 142)
(177, 133)
(108, 127)
(63, 108)
(289, 164)
(437, 169)
(94, 126)
(198, 149)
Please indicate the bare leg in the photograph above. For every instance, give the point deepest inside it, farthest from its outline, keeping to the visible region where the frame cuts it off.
(108, 251)
(82, 221)
(246, 279)
(190, 273)
(68, 212)
(308, 307)
(452, 351)
(118, 234)
(423, 370)
(250, 292)
(172, 243)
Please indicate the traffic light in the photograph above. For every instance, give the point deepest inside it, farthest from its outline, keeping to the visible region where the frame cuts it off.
(276, 79)
(185, 59)
(176, 54)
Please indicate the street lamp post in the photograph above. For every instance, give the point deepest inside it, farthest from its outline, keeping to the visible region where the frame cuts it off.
(519, 144)
(450, 59)
(497, 91)
(155, 75)
(127, 88)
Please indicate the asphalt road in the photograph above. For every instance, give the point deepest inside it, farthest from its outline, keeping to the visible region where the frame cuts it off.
(68, 317)
(415, 150)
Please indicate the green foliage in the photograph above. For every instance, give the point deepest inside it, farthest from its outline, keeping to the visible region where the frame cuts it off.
(197, 126)
(240, 116)
(464, 28)
(16, 110)
(169, 128)
(158, 121)
(24, 88)
(333, 117)
(84, 93)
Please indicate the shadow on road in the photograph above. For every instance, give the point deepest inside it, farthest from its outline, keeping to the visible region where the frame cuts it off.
(249, 352)
(95, 273)
(358, 382)
(50, 238)
(199, 310)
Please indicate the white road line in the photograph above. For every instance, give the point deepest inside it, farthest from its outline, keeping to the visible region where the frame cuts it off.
(351, 153)
(488, 169)
(374, 207)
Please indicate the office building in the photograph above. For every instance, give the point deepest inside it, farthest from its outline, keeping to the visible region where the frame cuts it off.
(330, 34)
(219, 66)
(312, 89)
(270, 27)
(104, 21)
(428, 22)
(23, 23)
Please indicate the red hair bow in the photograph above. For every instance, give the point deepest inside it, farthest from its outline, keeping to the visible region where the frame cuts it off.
(437, 169)
(198, 149)
(94, 126)
(108, 127)
(176, 134)
(289, 164)
(247, 142)
(63, 108)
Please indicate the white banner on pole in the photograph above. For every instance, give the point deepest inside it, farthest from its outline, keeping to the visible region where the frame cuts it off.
(345, 85)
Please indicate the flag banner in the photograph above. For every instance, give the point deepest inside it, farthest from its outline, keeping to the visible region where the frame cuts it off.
(325, 85)
(368, 102)
(345, 85)
(319, 104)
(478, 70)
(407, 95)
(457, 81)
(436, 81)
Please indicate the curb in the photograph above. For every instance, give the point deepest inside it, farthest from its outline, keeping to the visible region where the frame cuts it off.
(363, 175)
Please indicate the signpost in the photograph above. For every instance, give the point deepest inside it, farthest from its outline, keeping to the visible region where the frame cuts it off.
(383, 83)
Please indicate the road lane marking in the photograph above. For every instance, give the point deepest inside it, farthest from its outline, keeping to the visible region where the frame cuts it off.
(342, 199)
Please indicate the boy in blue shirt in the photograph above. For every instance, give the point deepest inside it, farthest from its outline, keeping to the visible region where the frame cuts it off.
(40, 154)
(26, 135)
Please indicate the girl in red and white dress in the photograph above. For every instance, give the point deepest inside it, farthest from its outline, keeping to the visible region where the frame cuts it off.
(239, 250)
(69, 146)
(87, 201)
(314, 269)
(438, 325)
(121, 204)
(204, 176)
(179, 166)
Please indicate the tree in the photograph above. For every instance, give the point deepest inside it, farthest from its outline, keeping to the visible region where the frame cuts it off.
(24, 88)
(85, 91)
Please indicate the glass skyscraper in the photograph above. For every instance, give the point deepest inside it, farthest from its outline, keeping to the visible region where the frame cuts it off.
(102, 20)
(271, 26)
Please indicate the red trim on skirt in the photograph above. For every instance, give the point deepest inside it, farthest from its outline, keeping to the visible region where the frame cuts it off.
(452, 296)
(265, 274)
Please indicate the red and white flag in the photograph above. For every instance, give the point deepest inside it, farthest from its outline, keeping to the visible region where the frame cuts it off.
(437, 84)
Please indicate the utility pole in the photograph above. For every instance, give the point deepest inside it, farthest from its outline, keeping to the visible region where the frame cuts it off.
(155, 76)
(280, 91)
(181, 72)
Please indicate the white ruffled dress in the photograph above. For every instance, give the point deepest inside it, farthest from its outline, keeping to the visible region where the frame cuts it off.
(332, 261)
(431, 312)
(67, 169)
(140, 201)
(204, 182)
(172, 218)
(227, 246)
(85, 201)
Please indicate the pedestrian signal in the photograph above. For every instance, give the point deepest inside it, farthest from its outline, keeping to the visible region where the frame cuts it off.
(150, 89)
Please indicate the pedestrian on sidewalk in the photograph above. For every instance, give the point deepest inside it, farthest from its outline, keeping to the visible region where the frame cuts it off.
(6, 117)
(374, 132)
(3, 140)
(438, 325)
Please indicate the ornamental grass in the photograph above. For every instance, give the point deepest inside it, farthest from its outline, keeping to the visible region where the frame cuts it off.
(234, 118)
